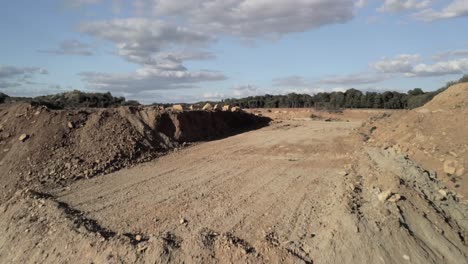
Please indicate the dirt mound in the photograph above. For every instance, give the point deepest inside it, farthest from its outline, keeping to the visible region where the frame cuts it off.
(43, 147)
(434, 135)
(456, 97)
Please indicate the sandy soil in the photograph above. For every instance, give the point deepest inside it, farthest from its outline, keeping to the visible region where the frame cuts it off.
(298, 191)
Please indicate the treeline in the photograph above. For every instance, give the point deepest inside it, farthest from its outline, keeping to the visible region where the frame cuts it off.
(74, 99)
(351, 98)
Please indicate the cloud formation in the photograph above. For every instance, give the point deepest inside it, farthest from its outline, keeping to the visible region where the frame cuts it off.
(400, 64)
(70, 47)
(456, 8)
(255, 18)
(409, 65)
(394, 6)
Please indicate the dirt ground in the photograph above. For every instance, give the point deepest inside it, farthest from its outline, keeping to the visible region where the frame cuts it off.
(301, 190)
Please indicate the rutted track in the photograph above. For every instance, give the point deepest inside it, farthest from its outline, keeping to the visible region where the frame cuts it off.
(298, 191)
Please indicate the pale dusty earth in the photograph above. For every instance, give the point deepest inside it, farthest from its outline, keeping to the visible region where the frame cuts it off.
(297, 191)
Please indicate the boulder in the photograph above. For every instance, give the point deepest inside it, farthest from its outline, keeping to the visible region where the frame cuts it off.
(226, 108)
(178, 108)
(207, 107)
(70, 125)
(235, 109)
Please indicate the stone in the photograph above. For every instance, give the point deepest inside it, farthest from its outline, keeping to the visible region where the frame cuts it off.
(217, 107)
(207, 107)
(178, 108)
(235, 109)
(450, 166)
(443, 192)
(138, 237)
(183, 221)
(70, 125)
(383, 196)
(394, 198)
(23, 137)
(226, 108)
(194, 107)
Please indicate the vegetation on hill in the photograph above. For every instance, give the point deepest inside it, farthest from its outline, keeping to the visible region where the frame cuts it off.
(3, 97)
(351, 98)
(74, 99)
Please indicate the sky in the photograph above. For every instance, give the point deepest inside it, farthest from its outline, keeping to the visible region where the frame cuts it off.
(195, 50)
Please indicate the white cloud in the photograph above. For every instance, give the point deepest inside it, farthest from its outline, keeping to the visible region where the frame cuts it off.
(400, 64)
(255, 18)
(456, 8)
(394, 6)
(71, 47)
(409, 66)
(459, 66)
(139, 39)
(159, 48)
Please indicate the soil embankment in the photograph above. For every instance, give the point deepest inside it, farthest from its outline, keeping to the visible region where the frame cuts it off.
(42, 147)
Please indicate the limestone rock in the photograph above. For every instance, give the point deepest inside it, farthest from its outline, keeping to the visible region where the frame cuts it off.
(450, 166)
(217, 107)
(207, 107)
(235, 109)
(23, 137)
(383, 196)
(178, 108)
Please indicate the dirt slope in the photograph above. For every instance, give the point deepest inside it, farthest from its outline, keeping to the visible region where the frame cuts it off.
(299, 191)
(62, 146)
(434, 135)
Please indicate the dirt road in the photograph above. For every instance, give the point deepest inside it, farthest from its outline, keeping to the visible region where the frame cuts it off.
(297, 191)
(275, 185)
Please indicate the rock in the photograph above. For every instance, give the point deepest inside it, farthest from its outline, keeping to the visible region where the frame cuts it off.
(23, 137)
(383, 196)
(460, 171)
(443, 192)
(138, 237)
(217, 107)
(207, 107)
(194, 107)
(178, 108)
(450, 166)
(235, 109)
(183, 221)
(70, 125)
(394, 198)
(226, 108)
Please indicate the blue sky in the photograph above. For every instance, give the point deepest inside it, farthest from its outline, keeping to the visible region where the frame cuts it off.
(173, 51)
